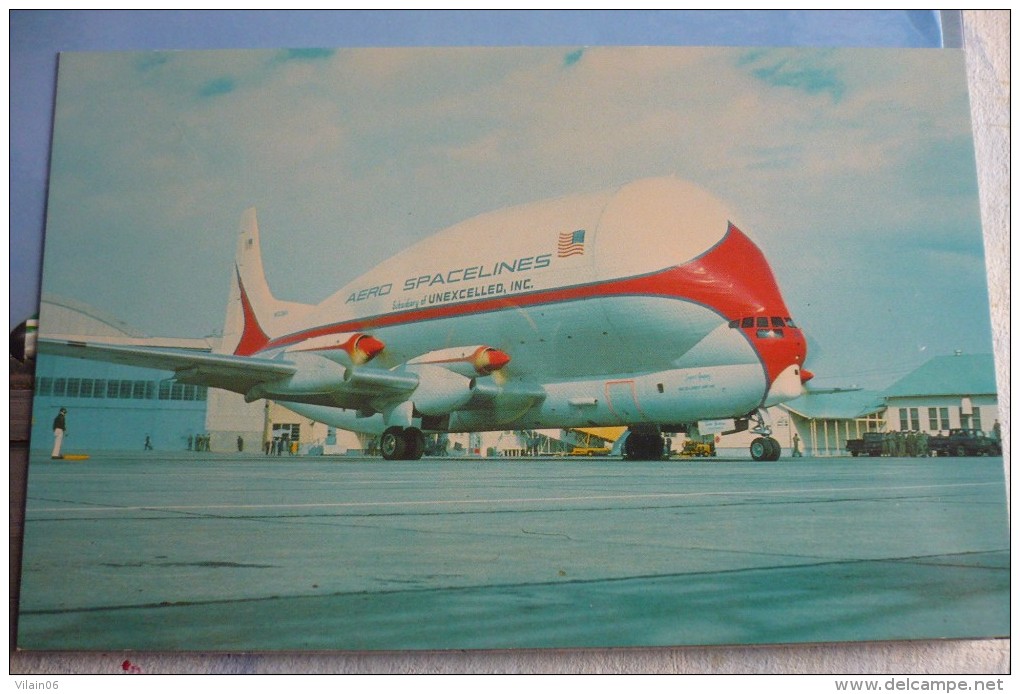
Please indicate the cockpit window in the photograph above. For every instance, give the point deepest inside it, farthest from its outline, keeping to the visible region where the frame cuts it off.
(766, 326)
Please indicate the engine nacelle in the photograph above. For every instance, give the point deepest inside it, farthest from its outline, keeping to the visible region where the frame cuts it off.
(440, 391)
(315, 375)
(474, 360)
(352, 349)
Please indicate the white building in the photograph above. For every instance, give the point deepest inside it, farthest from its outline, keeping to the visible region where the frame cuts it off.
(948, 392)
(954, 392)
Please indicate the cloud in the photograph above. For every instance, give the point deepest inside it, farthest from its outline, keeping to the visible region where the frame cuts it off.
(781, 69)
(572, 57)
(217, 87)
(306, 54)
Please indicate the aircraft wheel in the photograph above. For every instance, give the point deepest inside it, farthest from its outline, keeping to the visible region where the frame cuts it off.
(630, 446)
(641, 446)
(760, 449)
(776, 451)
(414, 443)
(393, 444)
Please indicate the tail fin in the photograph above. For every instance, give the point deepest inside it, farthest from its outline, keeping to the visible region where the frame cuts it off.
(254, 315)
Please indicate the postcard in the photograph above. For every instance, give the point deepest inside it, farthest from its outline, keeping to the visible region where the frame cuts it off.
(490, 348)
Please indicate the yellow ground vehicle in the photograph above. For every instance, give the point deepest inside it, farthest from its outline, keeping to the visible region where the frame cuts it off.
(698, 449)
(587, 451)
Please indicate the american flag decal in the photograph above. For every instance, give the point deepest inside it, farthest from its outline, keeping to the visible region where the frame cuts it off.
(571, 243)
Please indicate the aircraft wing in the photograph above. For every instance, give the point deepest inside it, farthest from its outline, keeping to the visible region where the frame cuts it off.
(234, 373)
(304, 378)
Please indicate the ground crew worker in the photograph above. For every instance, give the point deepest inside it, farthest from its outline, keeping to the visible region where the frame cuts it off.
(59, 427)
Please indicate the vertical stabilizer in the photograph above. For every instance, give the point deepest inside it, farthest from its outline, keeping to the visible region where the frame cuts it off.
(254, 315)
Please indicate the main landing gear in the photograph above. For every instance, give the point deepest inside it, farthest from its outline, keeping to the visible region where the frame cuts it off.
(764, 447)
(643, 445)
(398, 443)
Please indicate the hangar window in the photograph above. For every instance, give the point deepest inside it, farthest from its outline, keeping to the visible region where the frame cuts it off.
(138, 390)
(59, 384)
(292, 432)
(125, 390)
(73, 387)
(972, 420)
(164, 389)
(112, 389)
(99, 388)
(86, 388)
(43, 386)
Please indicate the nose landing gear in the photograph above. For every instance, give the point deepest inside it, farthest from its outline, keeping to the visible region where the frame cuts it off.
(764, 447)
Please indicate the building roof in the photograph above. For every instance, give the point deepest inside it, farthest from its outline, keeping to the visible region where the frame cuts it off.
(61, 318)
(960, 374)
(837, 404)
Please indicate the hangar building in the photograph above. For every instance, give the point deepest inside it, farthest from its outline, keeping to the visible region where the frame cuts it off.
(112, 406)
(946, 392)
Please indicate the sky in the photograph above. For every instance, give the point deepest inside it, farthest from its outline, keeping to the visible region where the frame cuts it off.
(852, 168)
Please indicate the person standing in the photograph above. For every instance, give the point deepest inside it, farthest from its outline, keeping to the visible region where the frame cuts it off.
(59, 427)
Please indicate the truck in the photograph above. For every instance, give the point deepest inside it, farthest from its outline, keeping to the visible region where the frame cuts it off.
(870, 445)
(697, 449)
(588, 451)
(964, 442)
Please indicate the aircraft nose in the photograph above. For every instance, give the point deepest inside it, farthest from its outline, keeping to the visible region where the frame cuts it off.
(789, 384)
(805, 375)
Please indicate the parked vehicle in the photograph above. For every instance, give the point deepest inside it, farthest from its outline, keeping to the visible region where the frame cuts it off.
(871, 444)
(964, 442)
(697, 449)
(588, 451)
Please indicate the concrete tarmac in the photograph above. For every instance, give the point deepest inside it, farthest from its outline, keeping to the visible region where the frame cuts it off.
(207, 552)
